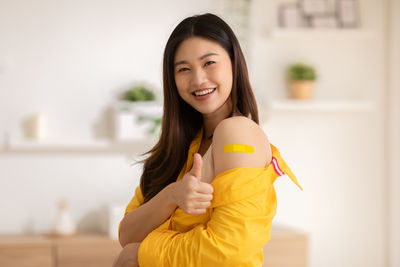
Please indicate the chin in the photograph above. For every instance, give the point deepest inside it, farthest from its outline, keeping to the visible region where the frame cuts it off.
(210, 110)
(205, 111)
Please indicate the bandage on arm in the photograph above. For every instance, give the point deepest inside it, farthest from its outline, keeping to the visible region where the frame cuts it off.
(239, 142)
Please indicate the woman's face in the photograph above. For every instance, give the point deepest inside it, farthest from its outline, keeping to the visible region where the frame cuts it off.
(203, 74)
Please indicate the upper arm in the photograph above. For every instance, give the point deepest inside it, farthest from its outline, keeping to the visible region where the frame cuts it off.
(239, 131)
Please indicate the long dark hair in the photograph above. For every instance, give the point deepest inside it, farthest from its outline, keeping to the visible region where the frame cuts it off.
(181, 122)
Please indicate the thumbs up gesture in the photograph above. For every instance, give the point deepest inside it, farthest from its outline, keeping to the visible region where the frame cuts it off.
(190, 193)
(197, 165)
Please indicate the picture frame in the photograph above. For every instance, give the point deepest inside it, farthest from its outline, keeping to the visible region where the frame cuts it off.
(311, 8)
(347, 13)
(326, 21)
(290, 16)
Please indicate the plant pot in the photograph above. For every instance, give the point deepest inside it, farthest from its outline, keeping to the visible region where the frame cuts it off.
(133, 120)
(301, 89)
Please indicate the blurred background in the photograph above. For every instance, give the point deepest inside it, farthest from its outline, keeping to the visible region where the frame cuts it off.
(71, 131)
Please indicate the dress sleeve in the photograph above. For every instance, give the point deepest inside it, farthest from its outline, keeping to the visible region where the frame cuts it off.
(238, 228)
(135, 202)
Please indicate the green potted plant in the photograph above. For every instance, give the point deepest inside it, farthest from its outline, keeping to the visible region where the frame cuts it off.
(137, 114)
(138, 93)
(301, 80)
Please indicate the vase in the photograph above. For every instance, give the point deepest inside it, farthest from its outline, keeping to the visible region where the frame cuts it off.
(301, 89)
(134, 121)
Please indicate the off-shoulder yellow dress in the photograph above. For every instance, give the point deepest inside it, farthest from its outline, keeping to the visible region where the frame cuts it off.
(235, 227)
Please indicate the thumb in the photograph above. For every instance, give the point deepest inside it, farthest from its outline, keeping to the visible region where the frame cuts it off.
(197, 165)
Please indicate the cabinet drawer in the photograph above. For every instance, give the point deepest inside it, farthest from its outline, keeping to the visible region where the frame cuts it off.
(86, 253)
(287, 248)
(26, 256)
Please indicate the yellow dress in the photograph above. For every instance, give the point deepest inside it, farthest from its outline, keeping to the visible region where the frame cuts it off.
(235, 227)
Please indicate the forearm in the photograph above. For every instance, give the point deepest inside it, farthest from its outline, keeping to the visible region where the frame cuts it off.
(128, 257)
(137, 224)
(244, 205)
(222, 243)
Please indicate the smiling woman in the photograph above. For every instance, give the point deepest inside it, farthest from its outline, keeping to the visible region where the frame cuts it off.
(203, 70)
(206, 195)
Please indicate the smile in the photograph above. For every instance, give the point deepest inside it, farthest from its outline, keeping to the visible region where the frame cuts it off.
(204, 92)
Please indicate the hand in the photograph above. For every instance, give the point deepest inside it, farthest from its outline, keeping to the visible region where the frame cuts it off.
(190, 194)
(128, 257)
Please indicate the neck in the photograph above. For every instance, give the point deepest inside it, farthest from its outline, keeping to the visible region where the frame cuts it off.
(210, 121)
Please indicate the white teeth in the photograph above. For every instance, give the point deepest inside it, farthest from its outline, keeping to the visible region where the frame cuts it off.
(204, 92)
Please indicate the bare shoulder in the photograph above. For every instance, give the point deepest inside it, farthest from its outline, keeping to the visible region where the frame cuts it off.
(239, 142)
(239, 127)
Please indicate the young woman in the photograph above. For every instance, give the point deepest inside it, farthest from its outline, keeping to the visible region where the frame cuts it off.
(206, 195)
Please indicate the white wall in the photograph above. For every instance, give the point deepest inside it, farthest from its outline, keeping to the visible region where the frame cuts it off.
(338, 155)
(70, 58)
(393, 100)
(79, 54)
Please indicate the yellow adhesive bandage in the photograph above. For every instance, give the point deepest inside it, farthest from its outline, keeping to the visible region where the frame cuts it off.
(238, 148)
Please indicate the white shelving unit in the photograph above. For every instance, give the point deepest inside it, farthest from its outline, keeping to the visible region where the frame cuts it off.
(140, 146)
(293, 105)
(320, 36)
(87, 146)
(290, 106)
(319, 33)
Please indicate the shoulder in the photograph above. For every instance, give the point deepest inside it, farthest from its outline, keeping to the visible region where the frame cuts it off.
(238, 128)
(239, 142)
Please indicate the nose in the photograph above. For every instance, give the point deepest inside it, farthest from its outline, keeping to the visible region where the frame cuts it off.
(198, 78)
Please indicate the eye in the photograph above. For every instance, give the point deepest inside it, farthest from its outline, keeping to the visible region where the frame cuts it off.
(183, 69)
(209, 63)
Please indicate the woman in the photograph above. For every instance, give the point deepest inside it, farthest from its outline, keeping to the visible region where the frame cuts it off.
(206, 195)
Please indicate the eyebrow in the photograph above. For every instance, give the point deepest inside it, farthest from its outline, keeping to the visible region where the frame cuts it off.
(200, 58)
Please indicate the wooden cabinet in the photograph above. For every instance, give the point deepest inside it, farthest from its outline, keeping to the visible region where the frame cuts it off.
(86, 251)
(41, 251)
(286, 248)
(23, 251)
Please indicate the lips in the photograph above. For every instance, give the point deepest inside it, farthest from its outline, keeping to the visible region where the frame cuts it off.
(206, 96)
(210, 90)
